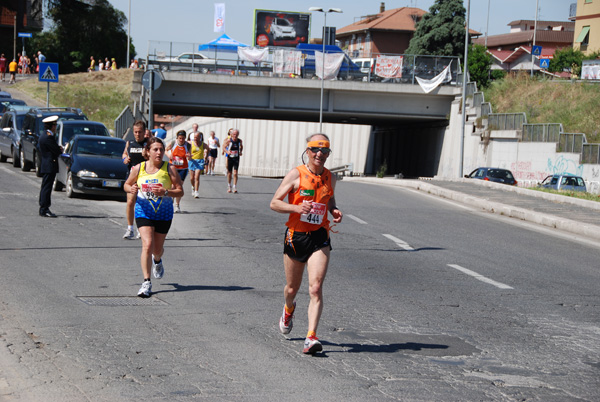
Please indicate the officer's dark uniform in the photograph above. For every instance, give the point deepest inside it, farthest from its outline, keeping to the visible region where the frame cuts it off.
(49, 151)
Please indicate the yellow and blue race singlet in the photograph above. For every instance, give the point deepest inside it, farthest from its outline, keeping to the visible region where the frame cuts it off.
(148, 205)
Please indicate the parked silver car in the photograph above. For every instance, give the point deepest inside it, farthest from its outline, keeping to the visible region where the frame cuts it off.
(564, 182)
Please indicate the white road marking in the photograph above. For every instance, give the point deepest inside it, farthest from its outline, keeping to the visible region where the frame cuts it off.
(357, 219)
(480, 277)
(400, 243)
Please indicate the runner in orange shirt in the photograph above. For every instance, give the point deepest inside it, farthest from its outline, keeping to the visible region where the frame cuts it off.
(310, 192)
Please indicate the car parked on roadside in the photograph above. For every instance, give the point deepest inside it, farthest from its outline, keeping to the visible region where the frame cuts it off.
(92, 164)
(564, 182)
(67, 129)
(11, 124)
(33, 127)
(496, 175)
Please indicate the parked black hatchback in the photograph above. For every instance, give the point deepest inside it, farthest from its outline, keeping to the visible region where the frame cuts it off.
(493, 174)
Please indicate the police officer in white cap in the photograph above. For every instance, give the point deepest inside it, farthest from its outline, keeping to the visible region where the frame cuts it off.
(49, 151)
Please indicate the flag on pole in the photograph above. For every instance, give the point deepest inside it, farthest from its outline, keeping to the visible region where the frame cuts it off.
(219, 17)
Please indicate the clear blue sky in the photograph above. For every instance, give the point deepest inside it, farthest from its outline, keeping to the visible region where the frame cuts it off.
(192, 21)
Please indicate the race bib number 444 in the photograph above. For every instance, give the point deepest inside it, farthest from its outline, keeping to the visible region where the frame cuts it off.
(316, 214)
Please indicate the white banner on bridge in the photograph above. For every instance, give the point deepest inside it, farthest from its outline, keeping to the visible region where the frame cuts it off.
(287, 61)
(389, 66)
(430, 85)
(253, 54)
(333, 62)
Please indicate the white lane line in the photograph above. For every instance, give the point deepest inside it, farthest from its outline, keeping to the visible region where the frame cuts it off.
(356, 219)
(480, 277)
(399, 243)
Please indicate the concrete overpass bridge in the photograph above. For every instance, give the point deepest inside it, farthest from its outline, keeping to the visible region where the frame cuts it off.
(350, 102)
(404, 127)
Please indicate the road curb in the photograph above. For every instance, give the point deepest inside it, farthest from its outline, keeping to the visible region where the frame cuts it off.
(591, 231)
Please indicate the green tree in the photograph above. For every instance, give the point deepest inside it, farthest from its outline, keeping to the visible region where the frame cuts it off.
(479, 65)
(441, 31)
(80, 30)
(564, 60)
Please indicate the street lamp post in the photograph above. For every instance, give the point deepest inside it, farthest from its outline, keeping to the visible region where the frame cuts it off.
(128, 35)
(322, 10)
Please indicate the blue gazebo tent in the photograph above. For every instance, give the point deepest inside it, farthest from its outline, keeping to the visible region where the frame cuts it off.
(222, 44)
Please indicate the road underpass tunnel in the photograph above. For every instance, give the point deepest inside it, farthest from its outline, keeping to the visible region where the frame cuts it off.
(412, 150)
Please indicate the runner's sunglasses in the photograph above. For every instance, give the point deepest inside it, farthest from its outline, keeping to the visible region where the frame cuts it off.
(324, 151)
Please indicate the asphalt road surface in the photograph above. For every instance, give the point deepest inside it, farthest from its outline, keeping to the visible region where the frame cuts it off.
(425, 300)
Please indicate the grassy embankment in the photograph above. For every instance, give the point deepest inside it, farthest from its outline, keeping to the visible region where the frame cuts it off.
(101, 95)
(574, 104)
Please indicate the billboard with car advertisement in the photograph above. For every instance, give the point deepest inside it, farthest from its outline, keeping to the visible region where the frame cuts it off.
(280, 28)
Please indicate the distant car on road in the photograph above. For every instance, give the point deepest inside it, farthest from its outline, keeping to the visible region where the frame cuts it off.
(496, 175)
(67, 129)
(564, 182)
(92, 164)
(184, 62)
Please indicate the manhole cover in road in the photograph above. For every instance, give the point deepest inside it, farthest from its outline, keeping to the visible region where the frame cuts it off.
(117, 301)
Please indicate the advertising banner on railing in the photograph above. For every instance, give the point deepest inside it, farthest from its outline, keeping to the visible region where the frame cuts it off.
(333, 62)
(389, 66)
(590, 70)
(287, 61)
(253, 54)
(280, 28)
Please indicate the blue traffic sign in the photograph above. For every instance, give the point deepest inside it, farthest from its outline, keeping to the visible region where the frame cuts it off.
(48, 72)
(25, 35)
(537, 50)
(545, 63)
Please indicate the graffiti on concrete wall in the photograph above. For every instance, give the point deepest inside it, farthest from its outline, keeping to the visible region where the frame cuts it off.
(564, 165)
(524, 171)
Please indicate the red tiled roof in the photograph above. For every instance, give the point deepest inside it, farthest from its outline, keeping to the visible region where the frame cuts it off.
(398, 19)
(508, 56)
(516, 38)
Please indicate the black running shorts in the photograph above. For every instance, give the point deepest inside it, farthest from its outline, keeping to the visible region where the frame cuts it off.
(159, 226)
(233, 164)
(302, 244)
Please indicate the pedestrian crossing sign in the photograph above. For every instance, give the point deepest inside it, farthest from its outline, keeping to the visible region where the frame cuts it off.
(48, 72)
(545, 63)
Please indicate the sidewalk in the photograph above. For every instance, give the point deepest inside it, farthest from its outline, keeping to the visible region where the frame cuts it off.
(572, 215)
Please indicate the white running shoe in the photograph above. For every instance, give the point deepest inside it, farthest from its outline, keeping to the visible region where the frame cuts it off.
(286, 321)
(157, 268)
(146, 289)
(312, 345)
(196, 194)
(129, 235)
(138, 235)
(177, 209)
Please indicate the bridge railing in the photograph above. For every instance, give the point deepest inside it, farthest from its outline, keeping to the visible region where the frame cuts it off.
(571, 142)
(544, 132)
(180, 56)
(506, 121)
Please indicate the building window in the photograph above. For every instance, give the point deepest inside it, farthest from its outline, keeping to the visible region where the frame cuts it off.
(584, 36)
(588, 1)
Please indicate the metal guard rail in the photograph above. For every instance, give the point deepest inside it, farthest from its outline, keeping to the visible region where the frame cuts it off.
(506, 121)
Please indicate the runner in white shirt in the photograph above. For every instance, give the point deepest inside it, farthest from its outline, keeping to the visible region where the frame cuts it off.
(213, 152)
